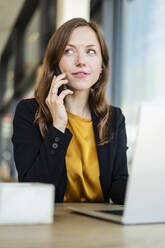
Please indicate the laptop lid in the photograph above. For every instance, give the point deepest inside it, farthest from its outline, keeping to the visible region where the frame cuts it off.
(145, 197)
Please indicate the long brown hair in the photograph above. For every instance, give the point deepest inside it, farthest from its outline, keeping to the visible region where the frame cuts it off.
(97, 97)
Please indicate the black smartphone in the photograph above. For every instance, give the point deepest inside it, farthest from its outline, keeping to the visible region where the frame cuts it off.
(62, 87)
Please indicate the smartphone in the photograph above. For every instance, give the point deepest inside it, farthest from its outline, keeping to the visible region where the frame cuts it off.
(62, 87)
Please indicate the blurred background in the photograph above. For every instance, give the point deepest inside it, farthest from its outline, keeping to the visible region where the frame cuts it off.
(135, 35)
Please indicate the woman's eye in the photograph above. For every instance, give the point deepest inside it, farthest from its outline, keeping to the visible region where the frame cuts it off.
(91, 51)
(68, 51)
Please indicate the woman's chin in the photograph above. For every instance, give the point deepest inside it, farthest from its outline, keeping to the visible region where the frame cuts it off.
(79, 89)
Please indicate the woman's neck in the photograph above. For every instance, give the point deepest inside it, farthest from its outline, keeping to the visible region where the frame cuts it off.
(78, 104)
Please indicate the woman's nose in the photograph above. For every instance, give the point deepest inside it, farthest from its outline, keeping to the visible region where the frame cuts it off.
(80, 60)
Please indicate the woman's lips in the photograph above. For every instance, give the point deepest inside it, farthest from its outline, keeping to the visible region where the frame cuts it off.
(80, 74)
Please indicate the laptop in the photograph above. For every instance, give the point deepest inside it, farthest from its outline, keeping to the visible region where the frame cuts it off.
(145, 194)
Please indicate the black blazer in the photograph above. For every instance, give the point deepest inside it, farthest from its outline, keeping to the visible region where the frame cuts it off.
(43, 160)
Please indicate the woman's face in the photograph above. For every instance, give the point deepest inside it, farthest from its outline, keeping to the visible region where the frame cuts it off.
(82, 59)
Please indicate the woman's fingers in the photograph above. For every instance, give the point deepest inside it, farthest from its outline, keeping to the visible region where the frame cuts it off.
(57, 85)
(64, 93)
(53, 97)
(56, 79)
(55, 102)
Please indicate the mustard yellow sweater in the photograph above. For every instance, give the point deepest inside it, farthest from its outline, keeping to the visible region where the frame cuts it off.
(82, 165)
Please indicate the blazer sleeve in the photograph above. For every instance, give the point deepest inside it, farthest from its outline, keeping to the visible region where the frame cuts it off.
(38, 159)
(120, 170)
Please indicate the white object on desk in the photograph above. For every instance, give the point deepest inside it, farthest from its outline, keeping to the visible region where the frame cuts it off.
(26, 203)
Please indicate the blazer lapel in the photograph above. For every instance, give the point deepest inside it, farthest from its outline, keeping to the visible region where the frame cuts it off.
(103, 155)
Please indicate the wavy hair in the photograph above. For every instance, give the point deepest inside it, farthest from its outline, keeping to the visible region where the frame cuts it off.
(97, 96)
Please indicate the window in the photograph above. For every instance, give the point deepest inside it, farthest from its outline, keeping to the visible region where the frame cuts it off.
(143, 53)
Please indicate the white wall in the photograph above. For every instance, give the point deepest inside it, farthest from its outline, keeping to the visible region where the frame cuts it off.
(67, 9)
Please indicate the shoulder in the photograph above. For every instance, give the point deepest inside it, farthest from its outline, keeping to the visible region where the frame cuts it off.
(116, 116)
(116, 111)
(26, 107)
(27, 104)
(30, 102)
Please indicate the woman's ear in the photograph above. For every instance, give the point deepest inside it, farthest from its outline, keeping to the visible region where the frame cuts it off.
(101, 70)
(103, 67)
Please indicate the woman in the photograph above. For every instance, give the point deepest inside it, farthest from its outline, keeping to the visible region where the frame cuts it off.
(73, 138)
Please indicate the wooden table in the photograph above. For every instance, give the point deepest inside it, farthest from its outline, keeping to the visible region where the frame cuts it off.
(71, 230)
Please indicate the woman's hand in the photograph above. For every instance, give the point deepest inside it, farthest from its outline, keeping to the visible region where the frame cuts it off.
(55, 102)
